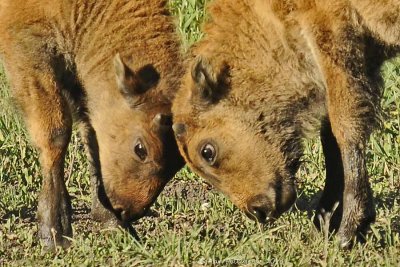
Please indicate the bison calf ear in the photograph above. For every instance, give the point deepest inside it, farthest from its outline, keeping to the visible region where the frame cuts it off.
(210, 83)
(133, 83)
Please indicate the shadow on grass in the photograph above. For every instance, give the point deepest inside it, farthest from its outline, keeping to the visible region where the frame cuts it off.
(28, 215)
(308, 203)
(390, 201)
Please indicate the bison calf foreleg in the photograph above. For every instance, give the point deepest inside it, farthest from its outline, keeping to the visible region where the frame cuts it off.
(351, 100)
(99, 198)
(49, 122)
(333, 191)
(358, 206)
(352, 116)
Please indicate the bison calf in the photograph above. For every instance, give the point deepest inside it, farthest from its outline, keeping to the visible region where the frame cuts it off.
(115, 65)
(267, 74)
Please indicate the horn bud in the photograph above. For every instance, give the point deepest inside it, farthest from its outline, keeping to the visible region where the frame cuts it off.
(162, 121)
(179, 129)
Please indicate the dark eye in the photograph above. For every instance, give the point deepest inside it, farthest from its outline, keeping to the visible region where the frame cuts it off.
(208, 153)
(140, 150)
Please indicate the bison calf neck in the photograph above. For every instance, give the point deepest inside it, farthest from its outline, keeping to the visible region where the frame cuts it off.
(114, 65)
(269, 72)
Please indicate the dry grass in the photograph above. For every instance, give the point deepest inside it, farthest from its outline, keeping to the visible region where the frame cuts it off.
(196, 225)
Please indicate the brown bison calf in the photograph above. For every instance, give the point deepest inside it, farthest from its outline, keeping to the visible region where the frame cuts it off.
(115, 65)
(267, 74)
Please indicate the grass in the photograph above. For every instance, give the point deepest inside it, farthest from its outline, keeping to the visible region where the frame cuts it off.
(196, 226)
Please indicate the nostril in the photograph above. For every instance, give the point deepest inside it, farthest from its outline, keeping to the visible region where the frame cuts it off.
(259, 213)
(258, 208)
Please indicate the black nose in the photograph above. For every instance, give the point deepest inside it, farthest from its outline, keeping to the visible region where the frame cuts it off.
(258, 208)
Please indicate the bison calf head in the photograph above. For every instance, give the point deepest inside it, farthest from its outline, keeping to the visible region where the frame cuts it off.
(137, 148)
(228, 140)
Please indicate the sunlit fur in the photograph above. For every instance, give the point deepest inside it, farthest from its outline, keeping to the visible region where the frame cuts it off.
(269, 73)
(60, 59)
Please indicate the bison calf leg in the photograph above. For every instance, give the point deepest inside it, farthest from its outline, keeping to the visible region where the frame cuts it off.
(351, 187)
(352, 100)
(352, 117)
(333, 191)
(99, 199)
(49, 122)
(358, 206)
(351, 122)
(54, 207)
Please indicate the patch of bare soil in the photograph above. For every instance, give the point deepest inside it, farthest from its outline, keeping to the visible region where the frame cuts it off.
(191, 191)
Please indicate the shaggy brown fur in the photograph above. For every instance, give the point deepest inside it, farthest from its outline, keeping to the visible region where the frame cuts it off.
(270, 72)
(115, 64)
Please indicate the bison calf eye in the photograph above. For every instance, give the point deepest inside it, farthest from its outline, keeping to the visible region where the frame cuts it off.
(208, 153)
(140, 150)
